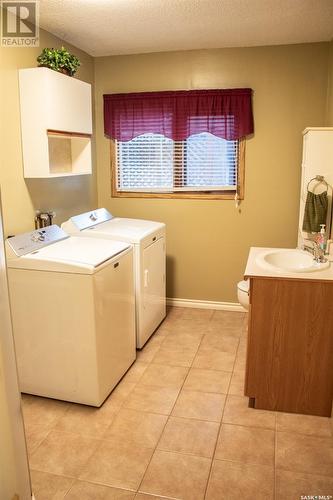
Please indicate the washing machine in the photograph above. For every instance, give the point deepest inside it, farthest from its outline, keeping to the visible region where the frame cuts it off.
(148, 240)
(73, 308)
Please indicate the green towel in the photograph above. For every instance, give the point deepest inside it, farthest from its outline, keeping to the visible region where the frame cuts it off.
(315, 211)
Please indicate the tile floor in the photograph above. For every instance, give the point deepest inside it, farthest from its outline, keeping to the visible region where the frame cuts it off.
(178, 427)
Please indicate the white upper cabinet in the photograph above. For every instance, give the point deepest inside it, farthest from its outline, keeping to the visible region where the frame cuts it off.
(317, 160)
(56, 123)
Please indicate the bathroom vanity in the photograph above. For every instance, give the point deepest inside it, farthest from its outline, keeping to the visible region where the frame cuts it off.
(290, 339)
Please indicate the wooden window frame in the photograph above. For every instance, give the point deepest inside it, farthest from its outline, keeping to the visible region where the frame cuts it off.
(206, 195)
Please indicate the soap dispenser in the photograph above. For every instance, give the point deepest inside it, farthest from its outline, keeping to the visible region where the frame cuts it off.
(321, 238)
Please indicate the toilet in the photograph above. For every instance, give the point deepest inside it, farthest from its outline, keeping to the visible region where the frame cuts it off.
(243, 293)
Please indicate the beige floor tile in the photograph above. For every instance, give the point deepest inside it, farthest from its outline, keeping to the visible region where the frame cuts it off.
(167, 324)
(42, 413)
(186, 326)
(199, 405)
(147, 354)
(162, 332)
(116, 399)
(174, 312)
(237, 412)
(237, 383)
(143, 496)
(213, 359)
(34, 437)
(170, 322)
(297, 452)
(240, 363)
(141, 428)
(88, 491)
(304, 424)
(154, 341)
(294, 485)
(207, 380)
(244, 335)
(86, 420)
(164, 376)
(63, 453)
(243, 344)
(221, 342)
(152, 399)
(135, 372)
(175, 356)
(235, 481)
(228, 318)
(246, 444)
(184, 339)
(176, 475)
(121, 465)
(118, 395)
(197, 314)
(185, 435)
(225, 330)
(47, 486)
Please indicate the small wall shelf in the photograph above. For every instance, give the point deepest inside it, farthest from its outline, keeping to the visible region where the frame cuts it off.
(69, 153)
(56, 123)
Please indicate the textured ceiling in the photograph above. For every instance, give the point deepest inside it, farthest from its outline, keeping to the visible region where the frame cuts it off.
(109, 27)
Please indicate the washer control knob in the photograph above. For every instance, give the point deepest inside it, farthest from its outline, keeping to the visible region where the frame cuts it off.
(38, 237)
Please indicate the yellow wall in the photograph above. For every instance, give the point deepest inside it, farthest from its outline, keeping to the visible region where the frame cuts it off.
(21, 197)
(208, 241)
(329, 116)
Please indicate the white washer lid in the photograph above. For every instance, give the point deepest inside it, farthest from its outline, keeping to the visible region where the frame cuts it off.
(74, 254)
(244, 286)
(130, 230)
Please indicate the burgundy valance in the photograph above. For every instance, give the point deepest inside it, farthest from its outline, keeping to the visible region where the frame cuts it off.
(179, 114)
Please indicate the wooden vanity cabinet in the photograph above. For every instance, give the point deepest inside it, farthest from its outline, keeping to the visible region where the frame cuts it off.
(290, 345)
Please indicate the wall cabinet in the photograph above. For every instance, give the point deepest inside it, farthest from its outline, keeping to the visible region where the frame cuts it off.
(56, 123)
(290, 345)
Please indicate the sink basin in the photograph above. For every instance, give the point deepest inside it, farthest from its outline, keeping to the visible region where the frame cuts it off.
(289, 260)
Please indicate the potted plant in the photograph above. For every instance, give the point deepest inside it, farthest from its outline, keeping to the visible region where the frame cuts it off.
(59, 60)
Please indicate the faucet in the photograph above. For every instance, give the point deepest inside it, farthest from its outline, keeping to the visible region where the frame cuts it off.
(317, 252)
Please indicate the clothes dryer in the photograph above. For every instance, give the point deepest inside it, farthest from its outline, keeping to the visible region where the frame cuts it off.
(148, 239)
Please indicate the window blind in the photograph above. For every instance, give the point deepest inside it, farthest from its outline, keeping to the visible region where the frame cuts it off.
(154, 163)
(145, 164)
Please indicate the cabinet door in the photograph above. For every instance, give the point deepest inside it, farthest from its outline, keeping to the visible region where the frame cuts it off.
(70, 108)
(290, 346)
(153, 287)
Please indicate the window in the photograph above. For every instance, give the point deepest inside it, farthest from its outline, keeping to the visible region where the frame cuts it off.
(178, 144)
(152, 163)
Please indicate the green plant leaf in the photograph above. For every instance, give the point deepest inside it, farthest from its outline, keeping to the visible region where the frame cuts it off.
(59, 59)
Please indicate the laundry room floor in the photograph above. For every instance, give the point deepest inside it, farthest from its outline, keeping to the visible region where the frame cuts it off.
(178, 427)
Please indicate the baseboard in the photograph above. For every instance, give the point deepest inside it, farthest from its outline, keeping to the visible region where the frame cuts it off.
(205, 304)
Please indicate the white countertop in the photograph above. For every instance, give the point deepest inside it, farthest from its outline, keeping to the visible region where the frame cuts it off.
(253, 269)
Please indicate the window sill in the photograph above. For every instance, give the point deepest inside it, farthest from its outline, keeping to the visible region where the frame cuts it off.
(180, 195)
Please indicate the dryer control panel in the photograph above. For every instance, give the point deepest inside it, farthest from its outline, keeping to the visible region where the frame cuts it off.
(25, 243)
(86, 220)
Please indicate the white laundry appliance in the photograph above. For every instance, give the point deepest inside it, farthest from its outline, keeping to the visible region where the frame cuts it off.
(73, 308)
(148, 238)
